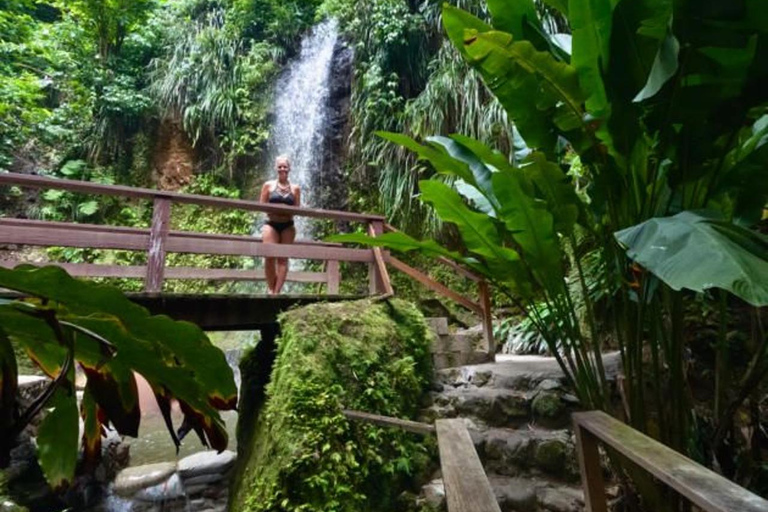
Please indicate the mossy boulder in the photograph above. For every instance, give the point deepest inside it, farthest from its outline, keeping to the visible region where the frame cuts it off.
(301, 453)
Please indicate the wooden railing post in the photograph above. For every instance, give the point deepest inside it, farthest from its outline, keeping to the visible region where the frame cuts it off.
(333, 276)
(161, 216)
(591, 470)
(375, 279)
(487, 319)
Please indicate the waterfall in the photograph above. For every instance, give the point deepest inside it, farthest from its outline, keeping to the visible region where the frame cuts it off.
(301, 113)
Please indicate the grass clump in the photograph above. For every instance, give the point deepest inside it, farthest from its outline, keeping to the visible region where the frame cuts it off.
(304, 454)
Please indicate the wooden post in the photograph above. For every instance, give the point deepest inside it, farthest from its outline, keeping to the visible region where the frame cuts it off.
(591, 471)
(375, 281)
(333, 276)
(485, 304)
(158, 234)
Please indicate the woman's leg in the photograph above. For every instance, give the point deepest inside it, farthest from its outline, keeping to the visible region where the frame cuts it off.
(269, 235)
(286, 237)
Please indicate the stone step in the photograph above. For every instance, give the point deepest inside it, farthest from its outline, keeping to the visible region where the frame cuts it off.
(516, 372)
(516, 494)
(511, 452)
(548, 406)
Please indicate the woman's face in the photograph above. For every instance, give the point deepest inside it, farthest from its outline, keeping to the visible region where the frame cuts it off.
(283, 167)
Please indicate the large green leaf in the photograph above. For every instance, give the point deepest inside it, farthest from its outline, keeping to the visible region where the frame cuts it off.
(9, 374)
(556, 189)
(434, 154)
(697, 253)
(57, 439)
(478, 231)
(532, 227)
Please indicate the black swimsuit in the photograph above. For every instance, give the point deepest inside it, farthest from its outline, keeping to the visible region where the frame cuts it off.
(275, 197)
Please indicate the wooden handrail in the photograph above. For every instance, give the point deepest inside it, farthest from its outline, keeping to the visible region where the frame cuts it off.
(86, 187)
(467, 488)
(701, 486)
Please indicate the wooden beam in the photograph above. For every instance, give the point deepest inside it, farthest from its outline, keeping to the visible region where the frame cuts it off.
(140, 271)
(466, 486)
(379, 282)
(434, 285)
(701, 486)
(387, 421)
(333, 276)
(86, 187)
(485, 304)
(158, 234)
(53, 225)
(591, 471)
(73, 236)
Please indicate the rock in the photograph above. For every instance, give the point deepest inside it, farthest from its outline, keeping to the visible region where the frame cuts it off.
(518, 494)
(550, 456)
(434, 494)
(561, 499)
(131, 480)
(170, 489)
(206, 463)
(547, 404)
(204, 479)
(548, 385)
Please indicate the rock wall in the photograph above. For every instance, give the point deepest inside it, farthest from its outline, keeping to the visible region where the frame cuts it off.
(198, 483)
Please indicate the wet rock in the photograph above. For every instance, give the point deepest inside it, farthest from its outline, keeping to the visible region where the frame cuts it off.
(551, 456)
(514, 494)
(206, 463)
(434, 494)
(547, 404)
(131, 480)
(549, 385)
(170, 489)
(561, 499)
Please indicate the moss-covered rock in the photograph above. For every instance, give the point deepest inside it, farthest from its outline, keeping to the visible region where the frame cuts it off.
(301, 453)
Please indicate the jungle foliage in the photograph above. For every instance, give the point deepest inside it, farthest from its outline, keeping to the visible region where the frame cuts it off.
(661, 106)
(303, 453)
(66, 323)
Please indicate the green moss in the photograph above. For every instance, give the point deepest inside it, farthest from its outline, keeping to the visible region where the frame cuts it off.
(304, 454)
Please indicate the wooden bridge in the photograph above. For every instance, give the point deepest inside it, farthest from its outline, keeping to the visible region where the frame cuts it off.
(217, 311)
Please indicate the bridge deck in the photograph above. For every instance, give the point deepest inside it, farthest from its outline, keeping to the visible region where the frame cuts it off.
(220, 312)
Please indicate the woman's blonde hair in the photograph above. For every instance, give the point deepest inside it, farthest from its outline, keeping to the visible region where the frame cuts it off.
(283, 157)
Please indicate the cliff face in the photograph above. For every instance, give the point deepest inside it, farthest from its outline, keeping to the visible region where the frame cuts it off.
(298, 452)
(330, 181)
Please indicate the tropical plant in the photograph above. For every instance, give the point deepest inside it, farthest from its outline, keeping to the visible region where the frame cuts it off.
(64, 322)
(663, 103)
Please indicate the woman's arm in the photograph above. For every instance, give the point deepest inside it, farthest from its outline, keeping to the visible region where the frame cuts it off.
(297, 196)
(264, 196)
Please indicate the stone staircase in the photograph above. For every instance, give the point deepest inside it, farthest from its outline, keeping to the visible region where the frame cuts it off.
(517, 411)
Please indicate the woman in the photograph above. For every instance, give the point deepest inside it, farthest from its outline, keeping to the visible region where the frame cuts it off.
(279, 229)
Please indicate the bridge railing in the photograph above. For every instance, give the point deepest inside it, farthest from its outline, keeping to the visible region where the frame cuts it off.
(705, 489)
(159, 239)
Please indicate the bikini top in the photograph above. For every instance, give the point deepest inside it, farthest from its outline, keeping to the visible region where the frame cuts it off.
(282, 198)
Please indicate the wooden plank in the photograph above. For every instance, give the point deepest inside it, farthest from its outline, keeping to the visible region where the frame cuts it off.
(158, 234)
(74, 237)
(703, 487)
(445, 261)
(140, 271)
(387, 421)
(485, 304)
(333, 276)
(53, 225)
(434, 285)
(85, 187)
(591, 471)
(466, 486)
(379, 282)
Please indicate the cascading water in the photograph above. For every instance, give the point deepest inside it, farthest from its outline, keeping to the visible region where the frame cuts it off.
(301, 113)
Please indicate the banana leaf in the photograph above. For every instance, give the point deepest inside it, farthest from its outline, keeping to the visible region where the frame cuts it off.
(698, 251)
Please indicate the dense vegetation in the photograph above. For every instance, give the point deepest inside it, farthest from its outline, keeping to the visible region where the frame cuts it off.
(302, 453)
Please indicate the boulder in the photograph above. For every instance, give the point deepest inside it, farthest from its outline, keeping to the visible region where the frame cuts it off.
(206, 463)
(131, 480)
(170, 489)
